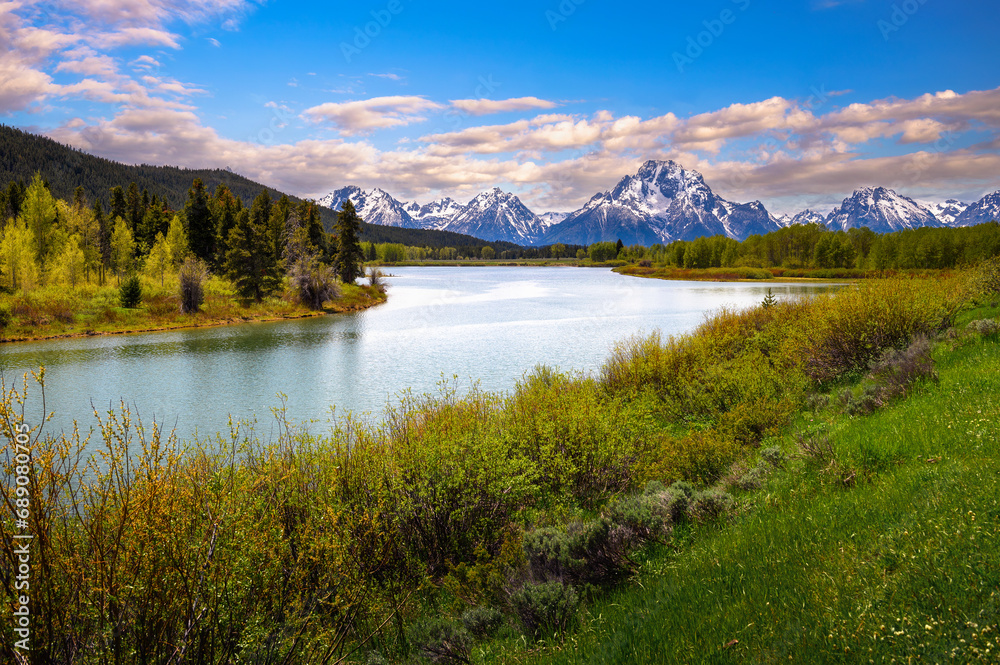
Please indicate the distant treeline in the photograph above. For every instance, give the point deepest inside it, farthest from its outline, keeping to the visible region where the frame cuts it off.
(815, 246)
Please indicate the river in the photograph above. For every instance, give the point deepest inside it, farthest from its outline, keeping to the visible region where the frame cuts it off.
(476, 323)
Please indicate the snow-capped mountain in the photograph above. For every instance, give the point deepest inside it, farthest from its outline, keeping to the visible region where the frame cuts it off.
(946, 212)
(986, 209)
(374, 207)
(662, 202)
(807, 216)
(434, 215)
(497, 215)
(880, 209)
(553, 218)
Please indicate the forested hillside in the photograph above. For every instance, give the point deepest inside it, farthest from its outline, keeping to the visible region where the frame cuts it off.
(23, 154)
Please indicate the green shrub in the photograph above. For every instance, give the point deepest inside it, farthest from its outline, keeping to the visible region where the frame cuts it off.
(483, 622)
(6, 316)
(643, 516)
(750, 479)
(130, 292)
(458, 488)
(710, 504)
(440, 640)
(984, 327)
(546, 607)
(594, 552)
(585, 445)
(654, 487)
(892, 377)
(847, 331)
(774, 456)
(699, 456)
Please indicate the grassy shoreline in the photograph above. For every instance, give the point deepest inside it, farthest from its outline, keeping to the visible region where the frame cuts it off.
(89, 310)
(744, 274)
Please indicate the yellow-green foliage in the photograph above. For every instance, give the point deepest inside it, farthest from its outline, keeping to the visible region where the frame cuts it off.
(699, 456)
(846, 332)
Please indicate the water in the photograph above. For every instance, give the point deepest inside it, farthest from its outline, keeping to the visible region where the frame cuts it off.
(485, 324)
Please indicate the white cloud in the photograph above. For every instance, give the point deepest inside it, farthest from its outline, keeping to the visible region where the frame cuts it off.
(488, 106)
(364, 116)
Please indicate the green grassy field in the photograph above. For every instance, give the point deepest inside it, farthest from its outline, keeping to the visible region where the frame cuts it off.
(886, 551)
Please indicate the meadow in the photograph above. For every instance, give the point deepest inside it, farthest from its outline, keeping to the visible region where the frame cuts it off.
(807, 479)
(91, 309)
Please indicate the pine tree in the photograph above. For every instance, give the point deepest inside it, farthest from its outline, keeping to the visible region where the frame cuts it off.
(276, 227)
(349, 257)
(133, 208)
(250, 260)
(119, 208)
(224, 209)
(200, 225)
(15, 197)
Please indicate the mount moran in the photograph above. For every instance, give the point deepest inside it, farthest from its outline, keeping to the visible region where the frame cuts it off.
(661, 203)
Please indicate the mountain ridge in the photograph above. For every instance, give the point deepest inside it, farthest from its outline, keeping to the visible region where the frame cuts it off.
(663, 202)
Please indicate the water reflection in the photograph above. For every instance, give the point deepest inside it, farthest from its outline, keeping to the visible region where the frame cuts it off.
(487, 324)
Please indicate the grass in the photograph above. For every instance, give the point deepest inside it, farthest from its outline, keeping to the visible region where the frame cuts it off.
(89, 309)
(744, 274)
(900, 565)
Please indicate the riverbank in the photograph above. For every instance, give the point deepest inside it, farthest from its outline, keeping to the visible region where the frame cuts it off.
(88, 310)
(514, 527)
(743, 274)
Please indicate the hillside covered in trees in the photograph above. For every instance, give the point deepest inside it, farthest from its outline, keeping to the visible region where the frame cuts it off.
(23, 154)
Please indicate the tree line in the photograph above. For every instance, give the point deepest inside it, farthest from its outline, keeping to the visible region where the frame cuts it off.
(49, 240)
(815, 246)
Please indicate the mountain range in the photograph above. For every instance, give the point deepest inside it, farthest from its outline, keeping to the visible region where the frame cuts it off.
(661, 203)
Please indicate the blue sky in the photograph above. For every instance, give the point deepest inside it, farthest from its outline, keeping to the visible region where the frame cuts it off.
(792, 103)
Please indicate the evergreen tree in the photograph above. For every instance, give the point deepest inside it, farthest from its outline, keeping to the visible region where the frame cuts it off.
(15, 197)
(119, 208)
(200, 225)
(349, 258)
(133, 207)
(309, 214)
(250, 260)
(277, 226)
(79, 198)
(224, 209)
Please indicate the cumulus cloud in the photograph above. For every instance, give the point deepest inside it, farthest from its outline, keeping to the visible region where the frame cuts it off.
(81, 37)
(488, 106)
(364, 116)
